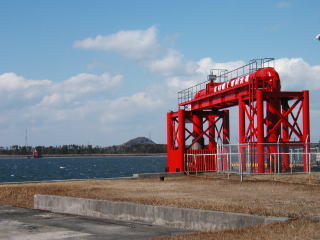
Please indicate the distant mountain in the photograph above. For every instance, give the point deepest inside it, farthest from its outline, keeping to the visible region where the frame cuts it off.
(139, 141)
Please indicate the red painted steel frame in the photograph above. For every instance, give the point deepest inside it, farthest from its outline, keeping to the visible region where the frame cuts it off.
(265, 116)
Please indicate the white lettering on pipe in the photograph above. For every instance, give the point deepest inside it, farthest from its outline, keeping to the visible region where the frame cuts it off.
(231, 84)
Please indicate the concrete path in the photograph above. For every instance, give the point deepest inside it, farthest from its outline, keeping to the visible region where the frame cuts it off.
(19, 223)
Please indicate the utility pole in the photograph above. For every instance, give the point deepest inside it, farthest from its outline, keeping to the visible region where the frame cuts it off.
(26, 139)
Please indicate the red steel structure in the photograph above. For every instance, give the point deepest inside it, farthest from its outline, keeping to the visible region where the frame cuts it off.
(266, 115)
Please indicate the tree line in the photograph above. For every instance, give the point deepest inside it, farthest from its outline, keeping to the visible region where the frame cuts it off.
(84, 149)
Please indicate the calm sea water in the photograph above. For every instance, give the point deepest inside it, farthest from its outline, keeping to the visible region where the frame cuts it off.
(30, 169)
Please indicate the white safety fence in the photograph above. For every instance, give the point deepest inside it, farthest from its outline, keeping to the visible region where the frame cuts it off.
(244, 160)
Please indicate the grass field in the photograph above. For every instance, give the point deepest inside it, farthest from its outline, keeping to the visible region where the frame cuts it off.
(295, 196)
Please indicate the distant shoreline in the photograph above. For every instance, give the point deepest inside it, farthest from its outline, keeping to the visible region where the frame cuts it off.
(87, 155)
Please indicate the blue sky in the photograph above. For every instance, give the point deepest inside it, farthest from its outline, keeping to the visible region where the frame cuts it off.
(67, 86)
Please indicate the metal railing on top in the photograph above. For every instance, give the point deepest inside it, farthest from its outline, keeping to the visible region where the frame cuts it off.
(222, 75)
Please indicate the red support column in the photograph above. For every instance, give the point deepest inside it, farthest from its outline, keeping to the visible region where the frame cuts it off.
(170, 147)
(169, 131)
(242, 137)
(197, 130)
(181, 141)
(226, 127)
(242, 126)
(285, 137)
(260, 130)
(212, 143)
(273, 106)
(211, 122)
(306, 130)
(225, 138)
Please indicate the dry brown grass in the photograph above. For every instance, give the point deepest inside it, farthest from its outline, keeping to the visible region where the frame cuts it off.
(262, 197)
(310, 179)
(298, 229)
(295, 196)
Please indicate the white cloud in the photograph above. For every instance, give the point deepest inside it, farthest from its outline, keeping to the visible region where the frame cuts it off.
(204, 65)
(170, 64)
(80, 88)
(196, 72)
(19, 92)
(297, 74)
(178, 83)
(71, 107)
(314, 124)
(180, 73)
(11, 82)
(85, 83)
(135, 44)
(123, 109)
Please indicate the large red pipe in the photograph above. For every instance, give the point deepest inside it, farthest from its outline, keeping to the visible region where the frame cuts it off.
(267, 78)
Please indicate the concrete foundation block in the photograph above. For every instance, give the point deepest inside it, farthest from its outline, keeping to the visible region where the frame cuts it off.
(184, 218)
